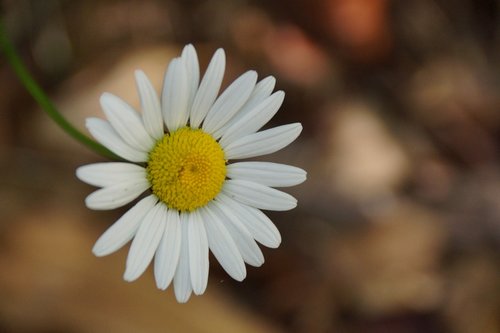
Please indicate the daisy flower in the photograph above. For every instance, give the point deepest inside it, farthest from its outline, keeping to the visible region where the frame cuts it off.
(191, 198)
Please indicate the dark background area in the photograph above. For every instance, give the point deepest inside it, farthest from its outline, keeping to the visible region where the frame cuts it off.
(398, 225)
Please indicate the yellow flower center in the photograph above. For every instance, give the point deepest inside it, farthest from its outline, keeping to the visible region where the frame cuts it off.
(186, 169)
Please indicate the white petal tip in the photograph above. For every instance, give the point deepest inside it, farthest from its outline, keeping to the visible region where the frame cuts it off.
(189, 47)
(219, 52)
(275, 243)
(252, 73)
(80, 172)
(271, 80)
(251, 76)
(199, 292)
(130, 276)
(200, 289)
(99, 251)
(291, 204)
(303, 177)
(89, 122)
(161, 287)
(241, 277)
(219, 57)
(105, 97)
(95, 204)
(139, 74)
(91, 204)
(182, 298)
(256, 262)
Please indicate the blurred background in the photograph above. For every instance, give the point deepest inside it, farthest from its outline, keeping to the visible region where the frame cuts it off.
(397, 228)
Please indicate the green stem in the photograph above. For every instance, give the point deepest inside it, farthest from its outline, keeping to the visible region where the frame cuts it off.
(44, 101)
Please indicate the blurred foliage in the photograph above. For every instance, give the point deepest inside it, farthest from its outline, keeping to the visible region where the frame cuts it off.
(398, 225)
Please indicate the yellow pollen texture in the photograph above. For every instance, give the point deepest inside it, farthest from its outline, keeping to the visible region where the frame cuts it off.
(186, 169)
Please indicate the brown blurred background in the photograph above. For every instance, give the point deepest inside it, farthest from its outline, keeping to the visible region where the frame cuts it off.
(397, 228)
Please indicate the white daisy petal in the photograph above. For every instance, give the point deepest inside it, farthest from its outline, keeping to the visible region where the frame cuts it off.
(108, 174)
(117, 195)
(182, 278)
(190, 59)
(209, 88)
(145, 243)
(247, 246)
(266, 173)
(258, 196)
(175, 95)
(258, 224)
(253, 120)
(198, 253)
(263, 142)
(124, 228)
(102, 131)
(229, 102)
(150, 104)
(262, 90)
(167, 254)
(126, 122)
(223, 246)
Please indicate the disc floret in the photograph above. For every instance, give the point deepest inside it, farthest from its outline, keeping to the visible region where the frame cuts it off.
(186, 169)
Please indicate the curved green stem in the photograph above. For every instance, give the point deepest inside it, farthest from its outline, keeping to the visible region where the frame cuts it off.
(43, 100)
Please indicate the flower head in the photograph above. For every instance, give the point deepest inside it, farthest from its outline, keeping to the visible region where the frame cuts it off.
(191, 198)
